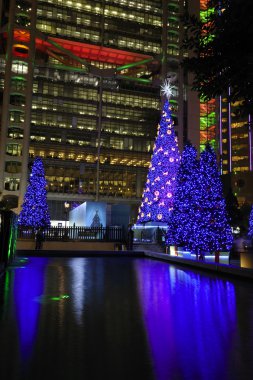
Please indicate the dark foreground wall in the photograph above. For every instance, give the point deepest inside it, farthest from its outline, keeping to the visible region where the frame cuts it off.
(8, 237)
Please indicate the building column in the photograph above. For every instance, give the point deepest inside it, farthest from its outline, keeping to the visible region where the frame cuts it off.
(220, 136)
(99, 125)
(139, 189)
(6, 92)
(164, 40)
(229, 135)
(250, 143)
(28, 104)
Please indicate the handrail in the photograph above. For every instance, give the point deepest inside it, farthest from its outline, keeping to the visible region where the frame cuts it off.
(108, 234)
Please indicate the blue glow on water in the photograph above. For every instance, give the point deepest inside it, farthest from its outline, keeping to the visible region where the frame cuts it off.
(190, 321)
(123, 318)
(28, 286)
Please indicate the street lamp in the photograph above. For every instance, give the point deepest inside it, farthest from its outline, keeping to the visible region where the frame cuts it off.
(66, 207)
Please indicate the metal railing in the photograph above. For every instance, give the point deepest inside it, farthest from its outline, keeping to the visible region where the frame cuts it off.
(109, 234)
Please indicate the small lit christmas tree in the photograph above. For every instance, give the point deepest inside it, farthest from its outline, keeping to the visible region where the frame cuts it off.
(180, 230)
(250, 232)
(96, 220)
(157, 198)
(212, 232)
(34, 211)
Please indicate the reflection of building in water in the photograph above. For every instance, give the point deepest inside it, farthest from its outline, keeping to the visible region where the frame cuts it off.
(78, 268)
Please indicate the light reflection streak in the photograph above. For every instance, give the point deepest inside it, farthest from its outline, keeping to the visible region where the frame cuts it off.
(28, 286)
(190, 321)
(78, 266)
(61, 290)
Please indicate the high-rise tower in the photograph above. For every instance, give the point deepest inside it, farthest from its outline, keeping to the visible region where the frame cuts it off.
(80, 87)
(230, 135)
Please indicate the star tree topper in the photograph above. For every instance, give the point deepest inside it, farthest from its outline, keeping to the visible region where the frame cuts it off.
(166, 88)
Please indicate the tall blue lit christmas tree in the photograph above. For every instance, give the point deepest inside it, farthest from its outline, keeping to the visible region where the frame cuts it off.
(250, 231)
(180, 230)
(34, 211)
(211, 228)
(158, 194)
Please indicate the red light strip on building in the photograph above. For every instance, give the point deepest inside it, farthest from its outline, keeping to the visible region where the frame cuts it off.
(82, 50)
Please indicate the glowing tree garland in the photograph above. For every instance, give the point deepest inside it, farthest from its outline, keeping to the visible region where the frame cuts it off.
(250, 232)
(210, 226)
(34, 211)
(180, 230)
(158, 194)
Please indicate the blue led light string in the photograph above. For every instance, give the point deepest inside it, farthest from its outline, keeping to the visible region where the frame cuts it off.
(180, 230)
(34, 211)
(212, 231)
(157, 198)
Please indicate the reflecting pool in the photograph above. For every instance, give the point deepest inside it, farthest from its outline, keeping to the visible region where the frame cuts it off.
(123, 318)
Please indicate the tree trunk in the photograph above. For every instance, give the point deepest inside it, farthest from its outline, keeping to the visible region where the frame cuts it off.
(217, 256)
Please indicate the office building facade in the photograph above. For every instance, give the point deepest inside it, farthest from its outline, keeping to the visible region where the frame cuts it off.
(231, 136)
(80, 87)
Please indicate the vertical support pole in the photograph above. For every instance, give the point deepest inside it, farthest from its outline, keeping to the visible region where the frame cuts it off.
(220, 134)
(28, 104)
(164, 39)
(229, 134)
(138, 184)
(250, 143)
(164, 68)
(99, 134)
(6, 93)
